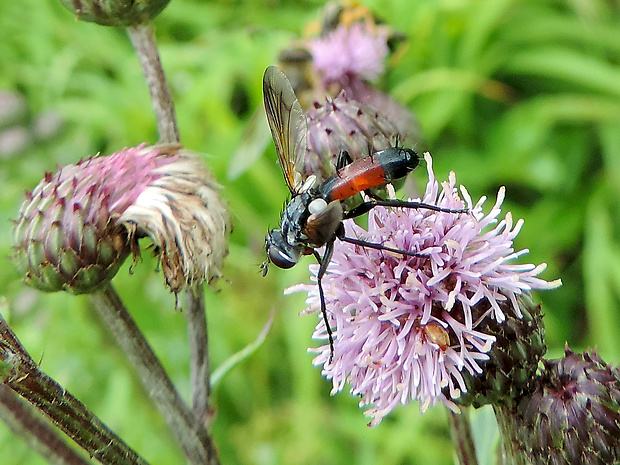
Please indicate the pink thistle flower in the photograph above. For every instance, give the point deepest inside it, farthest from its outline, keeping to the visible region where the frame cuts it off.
(76, 228)
(404, 326)
(347, 58)
(355, 50)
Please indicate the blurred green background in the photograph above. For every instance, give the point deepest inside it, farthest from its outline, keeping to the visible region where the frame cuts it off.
(524, 94)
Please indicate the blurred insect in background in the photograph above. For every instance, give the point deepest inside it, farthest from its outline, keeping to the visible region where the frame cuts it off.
(330, 83)
(314, 216)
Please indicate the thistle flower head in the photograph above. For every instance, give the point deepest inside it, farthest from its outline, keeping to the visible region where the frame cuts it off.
(349, 51)
(78, 226)
(344, 124)
(404, 326)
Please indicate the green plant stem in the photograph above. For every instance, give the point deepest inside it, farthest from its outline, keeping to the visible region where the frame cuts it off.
(200, 368)
(20, 373)
(460, 431)
(193, 438)
(40, 436)
(507, 430)
(143, 39)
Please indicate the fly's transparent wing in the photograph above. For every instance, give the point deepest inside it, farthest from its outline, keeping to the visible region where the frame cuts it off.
(288, 126)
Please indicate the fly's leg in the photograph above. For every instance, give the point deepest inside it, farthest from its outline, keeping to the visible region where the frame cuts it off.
(323, 262)
(344, 159)
(374, 245)
(370, 204)
(377, 201)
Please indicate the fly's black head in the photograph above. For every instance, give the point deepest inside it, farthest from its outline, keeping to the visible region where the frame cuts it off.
(412, 157)
(279, 251)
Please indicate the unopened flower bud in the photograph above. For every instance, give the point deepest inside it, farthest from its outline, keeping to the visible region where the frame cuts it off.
(572, 417)
(115, 12)
(513, 360)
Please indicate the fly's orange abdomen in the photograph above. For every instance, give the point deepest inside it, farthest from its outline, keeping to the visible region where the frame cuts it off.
(354, 183)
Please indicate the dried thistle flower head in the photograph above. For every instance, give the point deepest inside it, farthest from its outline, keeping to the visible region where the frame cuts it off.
(404, 326)
(78, 226)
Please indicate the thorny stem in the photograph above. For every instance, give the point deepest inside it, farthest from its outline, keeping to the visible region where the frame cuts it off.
(20, 373)
(460, 431)
(196, 443)
(200, 369)
(143, 39)
(38, 434)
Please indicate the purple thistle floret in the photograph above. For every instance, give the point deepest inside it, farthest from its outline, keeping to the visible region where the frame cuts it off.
(354, 50)
(403, 325)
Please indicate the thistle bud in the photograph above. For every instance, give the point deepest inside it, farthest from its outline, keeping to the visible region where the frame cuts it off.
(78, 226)
(513, 360)
(63, 237)
(115, 12)
(573, 416)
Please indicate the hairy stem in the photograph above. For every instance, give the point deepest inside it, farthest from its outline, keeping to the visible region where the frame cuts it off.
(38, 433)
(460, 431)
(507, 427)
(200, 369)
(20, 373)
(143, 39)
(197, 445)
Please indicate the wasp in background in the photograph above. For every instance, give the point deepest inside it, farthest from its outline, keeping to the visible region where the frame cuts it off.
(314, 216)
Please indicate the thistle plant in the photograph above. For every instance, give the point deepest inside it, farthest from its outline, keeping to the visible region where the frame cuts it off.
(447, 318)
(410, 328)
(75, 230)
(349, 56)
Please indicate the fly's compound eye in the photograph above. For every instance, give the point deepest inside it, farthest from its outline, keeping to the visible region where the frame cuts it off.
(279, 258)
(278, 250)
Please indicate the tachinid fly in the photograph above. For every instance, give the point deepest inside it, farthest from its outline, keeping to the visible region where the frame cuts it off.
(314, 216)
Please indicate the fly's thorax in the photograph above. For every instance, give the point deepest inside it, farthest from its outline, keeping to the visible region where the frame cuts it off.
(397, 162)
(286, 245)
